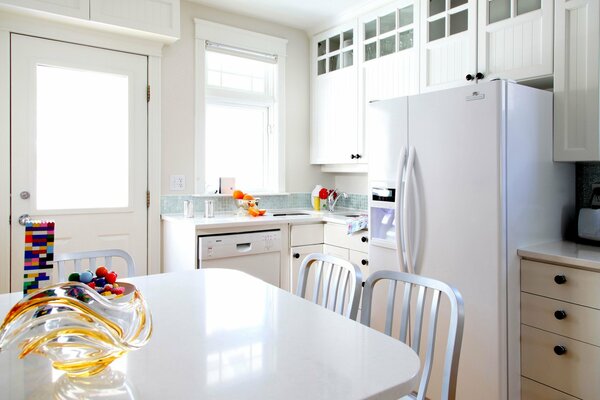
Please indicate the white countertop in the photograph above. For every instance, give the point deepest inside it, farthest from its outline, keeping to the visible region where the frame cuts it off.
(563, 252)
(231, 220)
(222, 334)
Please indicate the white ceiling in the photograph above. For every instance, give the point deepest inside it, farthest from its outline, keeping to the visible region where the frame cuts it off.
(303, 14)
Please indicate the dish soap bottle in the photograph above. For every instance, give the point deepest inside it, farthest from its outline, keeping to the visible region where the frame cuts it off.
(314, 198)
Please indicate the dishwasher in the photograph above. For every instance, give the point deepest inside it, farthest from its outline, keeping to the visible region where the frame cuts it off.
(256, 253)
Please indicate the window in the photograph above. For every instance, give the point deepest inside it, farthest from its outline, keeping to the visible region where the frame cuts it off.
(239, 133)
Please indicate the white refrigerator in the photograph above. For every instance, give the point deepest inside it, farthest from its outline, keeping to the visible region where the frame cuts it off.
(460, 179)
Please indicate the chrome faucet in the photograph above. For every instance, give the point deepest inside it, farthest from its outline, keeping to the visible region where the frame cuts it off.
(333, 197)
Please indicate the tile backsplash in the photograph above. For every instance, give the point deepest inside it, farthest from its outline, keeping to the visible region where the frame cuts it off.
(173, 204)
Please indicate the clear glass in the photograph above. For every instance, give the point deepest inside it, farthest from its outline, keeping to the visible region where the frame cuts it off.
(79, 330)
(436, 7)
(456, 3)
(371, 29)
(387, 23)
(238, 73)
(437, 29)
(387, 46)
(405, 16)
(334, 63)
(405, 40)
(321, 66)
(348, 58)
(348, 37)
(499, 10)
(525, 6)
(459, 22)
(321, 48)
(370, 51)
(235, 143)
(82, 139)
(334, 43)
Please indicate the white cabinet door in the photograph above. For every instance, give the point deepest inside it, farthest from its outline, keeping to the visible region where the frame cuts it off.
(298, 254)
(154, 16)
(576, 96)
(69, 8)
(515, 38)
(448, 43)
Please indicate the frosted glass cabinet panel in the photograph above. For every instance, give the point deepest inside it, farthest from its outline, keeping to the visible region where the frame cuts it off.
(515, 39)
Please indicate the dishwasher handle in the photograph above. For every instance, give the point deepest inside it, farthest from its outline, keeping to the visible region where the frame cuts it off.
(243, 247)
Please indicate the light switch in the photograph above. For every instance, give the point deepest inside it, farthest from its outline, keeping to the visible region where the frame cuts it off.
(177, 182)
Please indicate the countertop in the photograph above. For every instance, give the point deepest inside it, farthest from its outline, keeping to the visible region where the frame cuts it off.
(222, 334)
(578, 255)
(230, 219)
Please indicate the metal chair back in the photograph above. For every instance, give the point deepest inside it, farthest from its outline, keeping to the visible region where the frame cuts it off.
(337, 283)
(419, 285)
(91, 259)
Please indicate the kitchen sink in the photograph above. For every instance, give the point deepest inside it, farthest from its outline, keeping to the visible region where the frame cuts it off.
(289, 214)
(351, 215)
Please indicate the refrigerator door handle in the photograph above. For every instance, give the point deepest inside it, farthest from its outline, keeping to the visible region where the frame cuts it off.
(398, 209)
(408, 251)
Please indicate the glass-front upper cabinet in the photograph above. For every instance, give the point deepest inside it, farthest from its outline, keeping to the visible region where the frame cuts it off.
(515, 38)
(335, 50)
(448, 42)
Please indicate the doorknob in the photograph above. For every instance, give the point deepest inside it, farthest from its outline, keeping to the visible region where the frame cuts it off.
(24, 195)
(23, 219)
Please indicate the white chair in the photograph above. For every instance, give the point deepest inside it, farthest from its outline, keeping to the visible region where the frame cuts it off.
(89, 259)
(455, 326)
(336, 286)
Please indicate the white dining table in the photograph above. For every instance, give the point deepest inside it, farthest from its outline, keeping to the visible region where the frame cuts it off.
(222, 334)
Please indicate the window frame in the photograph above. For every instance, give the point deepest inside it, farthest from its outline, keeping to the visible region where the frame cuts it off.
(252, 41)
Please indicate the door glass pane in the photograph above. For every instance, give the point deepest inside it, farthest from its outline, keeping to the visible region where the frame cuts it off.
(405, 16)
(456, 3)
(334, 43)
(236, 143)
(334, 63)
(459, 22)
(387, 45)
(348, 38)
(321, 66)
(437, 29)
(82, 139)
(370, 51)
(525, 6)
(348, 58)
(499, 10)
(321, 48)
(370, 29)
(436, 6)
(405, 40)
(387, 23)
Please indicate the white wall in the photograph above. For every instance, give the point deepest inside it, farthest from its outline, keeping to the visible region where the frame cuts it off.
(178, 100)
(352, 183)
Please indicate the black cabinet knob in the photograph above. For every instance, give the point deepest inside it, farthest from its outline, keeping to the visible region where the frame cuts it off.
(560, 279)
(364, 239)
(358, 156)
(364, 262)
(560, 314)
(469, 77)
(352, 156)
(296, 255)
(479, 76)
(560, 350)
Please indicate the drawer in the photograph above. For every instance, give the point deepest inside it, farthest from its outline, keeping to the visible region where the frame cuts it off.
(303, 235)
(576, 372)
(336, 235)
(580, 323)
(336, 251)
(580, 287)
(362, 260)
(531, 390)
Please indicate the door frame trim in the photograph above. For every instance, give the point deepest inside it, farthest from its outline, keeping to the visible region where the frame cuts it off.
(11, 23)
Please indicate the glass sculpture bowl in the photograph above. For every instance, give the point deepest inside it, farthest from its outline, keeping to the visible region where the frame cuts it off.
(80, 331)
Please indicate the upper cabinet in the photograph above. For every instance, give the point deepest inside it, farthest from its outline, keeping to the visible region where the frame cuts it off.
(576, 72)
(155, 17)
(448, 43)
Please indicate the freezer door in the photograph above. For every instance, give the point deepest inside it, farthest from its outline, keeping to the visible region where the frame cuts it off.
(459, 142)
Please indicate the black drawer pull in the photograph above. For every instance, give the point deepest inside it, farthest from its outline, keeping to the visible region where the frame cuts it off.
(364, 261)
(560, 350)
(560, 279)
(364, 239)
(296, 255)
(560, 314)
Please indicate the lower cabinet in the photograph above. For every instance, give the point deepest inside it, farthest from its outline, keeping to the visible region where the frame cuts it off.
(297, 255)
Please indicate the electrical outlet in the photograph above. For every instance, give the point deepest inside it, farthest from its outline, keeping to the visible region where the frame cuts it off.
(177, 182)
(595, 195)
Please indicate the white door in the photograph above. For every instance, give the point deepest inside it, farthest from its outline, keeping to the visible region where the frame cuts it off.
(78, 147)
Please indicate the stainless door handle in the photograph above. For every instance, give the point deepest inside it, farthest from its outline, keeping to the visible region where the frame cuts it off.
(23, 219)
